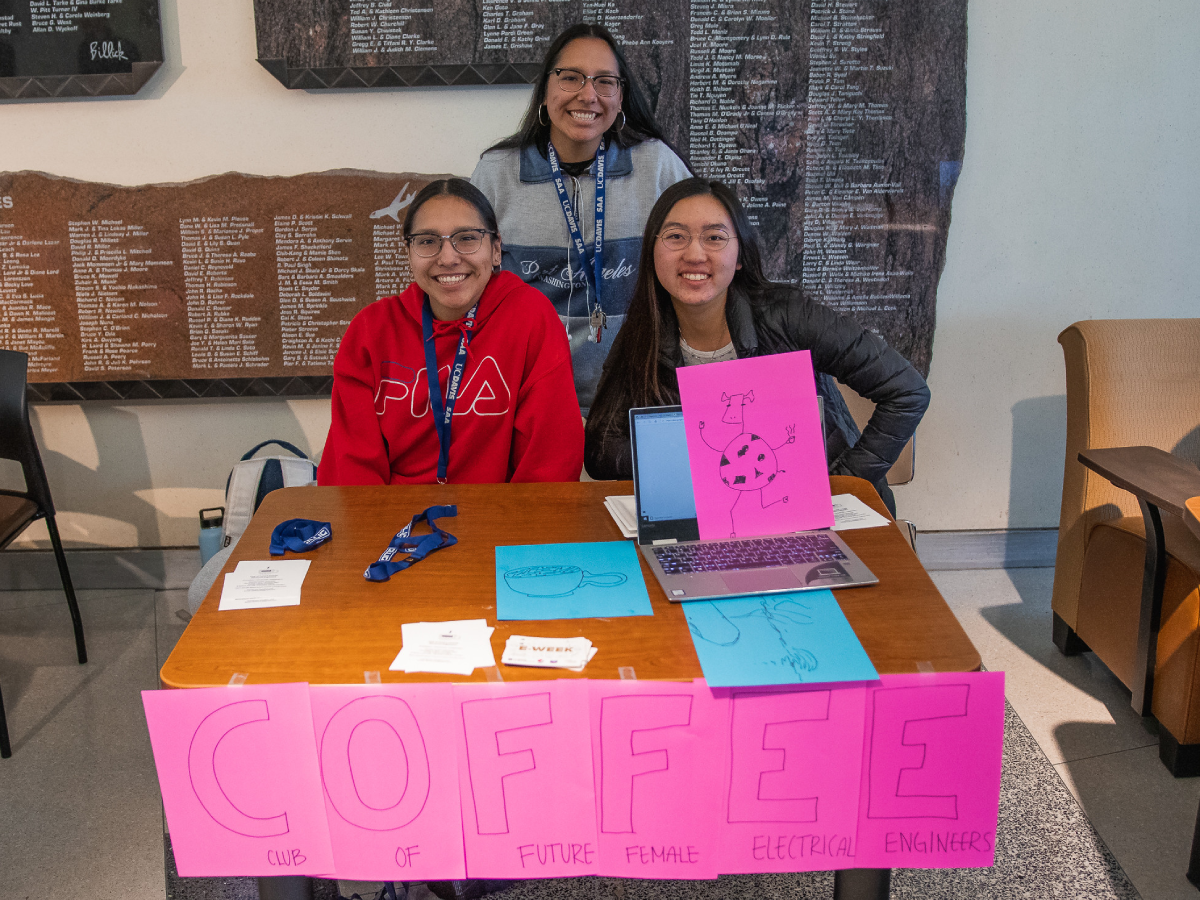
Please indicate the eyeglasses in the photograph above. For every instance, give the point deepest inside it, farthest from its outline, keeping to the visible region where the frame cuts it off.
(677, 239)
(572, 82)
(466, 241)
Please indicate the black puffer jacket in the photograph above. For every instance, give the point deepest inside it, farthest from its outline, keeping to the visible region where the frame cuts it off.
(779, 320)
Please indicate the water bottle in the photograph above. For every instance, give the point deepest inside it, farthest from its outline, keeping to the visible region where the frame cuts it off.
(211, 521)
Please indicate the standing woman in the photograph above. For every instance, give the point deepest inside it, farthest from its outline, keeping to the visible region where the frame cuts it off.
(702, 297)
(587, 154)
(398, 414)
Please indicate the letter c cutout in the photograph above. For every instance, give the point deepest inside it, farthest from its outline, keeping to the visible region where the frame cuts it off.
(202, 770)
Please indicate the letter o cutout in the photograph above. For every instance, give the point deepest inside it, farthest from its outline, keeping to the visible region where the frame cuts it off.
(337, 771)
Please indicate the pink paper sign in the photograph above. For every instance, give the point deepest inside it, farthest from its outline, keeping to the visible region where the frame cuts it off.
(389, 769)
(657, 751)
(240, 785)
(931, 771)
(525, 778)
(755, 447)
(791, 798)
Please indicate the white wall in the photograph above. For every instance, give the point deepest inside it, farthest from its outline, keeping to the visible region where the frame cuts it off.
(1078, 199)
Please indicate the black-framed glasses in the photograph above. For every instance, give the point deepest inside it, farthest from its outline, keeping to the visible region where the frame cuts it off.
(676, 239)
(465, 241)
(572, 81)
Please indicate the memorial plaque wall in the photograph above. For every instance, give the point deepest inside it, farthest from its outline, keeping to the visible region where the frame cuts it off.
(77, 48)
(840, 123)
(230, 285)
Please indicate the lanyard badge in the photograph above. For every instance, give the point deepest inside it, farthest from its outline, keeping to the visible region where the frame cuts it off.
(416, 548)
(443, 412)
(597, 318)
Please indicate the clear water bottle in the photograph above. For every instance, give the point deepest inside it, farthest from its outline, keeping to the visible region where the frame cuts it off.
(211, 521)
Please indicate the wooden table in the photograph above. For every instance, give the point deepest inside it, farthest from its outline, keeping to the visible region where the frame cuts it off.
(347, 629)
(348, 626)
(1161, 482)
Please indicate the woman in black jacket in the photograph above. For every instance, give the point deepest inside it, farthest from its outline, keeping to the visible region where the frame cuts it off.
(705, 298)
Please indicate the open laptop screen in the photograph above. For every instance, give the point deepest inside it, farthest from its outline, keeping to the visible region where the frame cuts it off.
(662, 475)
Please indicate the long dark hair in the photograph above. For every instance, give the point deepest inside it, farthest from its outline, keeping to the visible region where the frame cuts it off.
(453, 187)
(631, 373)
(638, 122)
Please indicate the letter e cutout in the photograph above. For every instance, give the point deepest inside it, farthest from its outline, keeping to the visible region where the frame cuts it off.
(767, 771)
(896, 759)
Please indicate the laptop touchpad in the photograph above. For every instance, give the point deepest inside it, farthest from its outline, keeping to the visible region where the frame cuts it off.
(755, 581)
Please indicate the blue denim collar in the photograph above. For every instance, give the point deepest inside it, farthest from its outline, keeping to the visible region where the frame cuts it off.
(535, 168)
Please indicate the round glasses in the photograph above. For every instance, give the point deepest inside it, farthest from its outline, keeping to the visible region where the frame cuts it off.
(572, 82)
(465, 241)
(677, 239)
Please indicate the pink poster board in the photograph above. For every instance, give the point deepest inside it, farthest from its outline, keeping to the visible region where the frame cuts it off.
(239, 778)
(658, 761)
(931, 771)
(790, 802)
(755, 447)
(389, 769)
(525, 779)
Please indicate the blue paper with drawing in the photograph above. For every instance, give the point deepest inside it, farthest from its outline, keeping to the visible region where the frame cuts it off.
(797, 638)
(570, 581)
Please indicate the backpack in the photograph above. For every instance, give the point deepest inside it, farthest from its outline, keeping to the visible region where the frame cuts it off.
(250, 480)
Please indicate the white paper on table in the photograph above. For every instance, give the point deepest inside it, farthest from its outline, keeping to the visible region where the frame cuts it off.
(849, 512)
(258, 584)
(553, 653)
(452, 648)
(580, 667)
(624, 513)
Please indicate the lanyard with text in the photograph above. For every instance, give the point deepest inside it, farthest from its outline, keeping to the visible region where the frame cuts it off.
(598, 318)
(416, 548)
(443, 412)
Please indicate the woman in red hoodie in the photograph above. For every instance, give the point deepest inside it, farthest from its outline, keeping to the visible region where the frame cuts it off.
(504, 405)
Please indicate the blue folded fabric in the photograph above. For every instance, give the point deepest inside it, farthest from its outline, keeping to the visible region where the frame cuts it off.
(299, 536)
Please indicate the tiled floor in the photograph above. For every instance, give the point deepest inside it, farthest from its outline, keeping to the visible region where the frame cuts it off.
(1080, 715)
(80, 814)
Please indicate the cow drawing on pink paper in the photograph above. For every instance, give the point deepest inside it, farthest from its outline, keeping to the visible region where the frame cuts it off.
(748, 462)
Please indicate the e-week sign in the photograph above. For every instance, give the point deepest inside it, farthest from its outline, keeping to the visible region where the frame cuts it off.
(544, 779)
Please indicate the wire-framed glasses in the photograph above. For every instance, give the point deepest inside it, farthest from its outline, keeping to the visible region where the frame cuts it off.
(677, 239)
(572, 81)
(465, 241)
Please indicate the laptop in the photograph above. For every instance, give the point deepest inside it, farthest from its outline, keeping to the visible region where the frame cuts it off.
(688, 568)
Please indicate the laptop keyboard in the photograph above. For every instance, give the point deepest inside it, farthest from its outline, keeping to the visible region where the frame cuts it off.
(755, 553)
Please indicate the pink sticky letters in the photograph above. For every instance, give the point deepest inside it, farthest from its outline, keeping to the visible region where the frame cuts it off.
(636, 779)
(657, 755)
(526, 779)
(389, 770)
(238, 772)
(931, 771)
(791, 798)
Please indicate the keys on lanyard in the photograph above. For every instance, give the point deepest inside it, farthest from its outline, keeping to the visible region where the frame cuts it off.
(597, 320)
(596, 326)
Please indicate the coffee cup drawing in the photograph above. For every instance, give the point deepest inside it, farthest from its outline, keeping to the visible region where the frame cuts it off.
(557, 581)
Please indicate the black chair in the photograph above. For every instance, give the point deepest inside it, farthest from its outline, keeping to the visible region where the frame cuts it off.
(17, 509)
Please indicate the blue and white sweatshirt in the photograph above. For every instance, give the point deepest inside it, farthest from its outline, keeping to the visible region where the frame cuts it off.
(537, 244)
